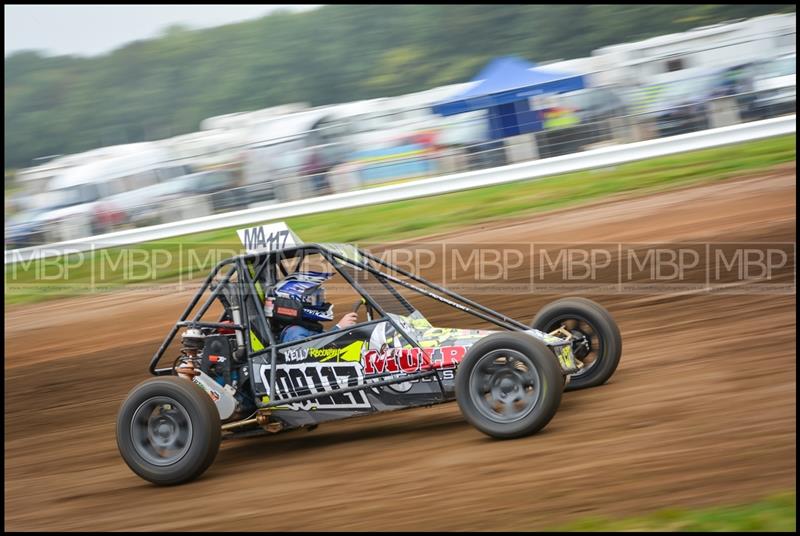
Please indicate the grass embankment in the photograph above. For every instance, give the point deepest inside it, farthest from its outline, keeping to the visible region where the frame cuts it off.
(773, 514)
(402, 219)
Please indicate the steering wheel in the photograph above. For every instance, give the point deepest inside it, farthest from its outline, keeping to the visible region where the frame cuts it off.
(358, 304)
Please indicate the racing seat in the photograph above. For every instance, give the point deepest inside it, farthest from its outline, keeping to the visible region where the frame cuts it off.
(227, 297)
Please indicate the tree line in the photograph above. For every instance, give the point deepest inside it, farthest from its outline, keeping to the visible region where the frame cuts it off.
(161, 87)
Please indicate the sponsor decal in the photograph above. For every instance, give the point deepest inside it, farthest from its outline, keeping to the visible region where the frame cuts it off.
(211, 392)
(404, 387)
(297, 380)
(295, 354)
(411, 360)
(434, 337)
(350, 353)
(565, 356)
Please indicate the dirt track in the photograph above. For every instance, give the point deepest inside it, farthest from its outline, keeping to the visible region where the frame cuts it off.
(701, 410)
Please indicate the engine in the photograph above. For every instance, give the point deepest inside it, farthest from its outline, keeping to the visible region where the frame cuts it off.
(209, 359)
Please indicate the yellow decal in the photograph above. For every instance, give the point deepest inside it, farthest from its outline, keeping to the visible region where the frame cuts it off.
(566, 358)
(434, 337)
(254, 342)
(350, 353)
(259, 290)
(420, 323)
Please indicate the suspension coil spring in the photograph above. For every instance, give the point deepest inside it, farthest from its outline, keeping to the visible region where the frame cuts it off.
(186, 366)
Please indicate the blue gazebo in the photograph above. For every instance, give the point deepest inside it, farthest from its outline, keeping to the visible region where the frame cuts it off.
(504, 89)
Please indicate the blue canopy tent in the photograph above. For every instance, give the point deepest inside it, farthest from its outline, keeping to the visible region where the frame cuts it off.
(506, 85)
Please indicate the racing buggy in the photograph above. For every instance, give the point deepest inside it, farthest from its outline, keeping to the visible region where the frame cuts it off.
(235, 375)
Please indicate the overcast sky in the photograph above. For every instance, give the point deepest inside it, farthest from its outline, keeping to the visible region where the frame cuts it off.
(91, 30)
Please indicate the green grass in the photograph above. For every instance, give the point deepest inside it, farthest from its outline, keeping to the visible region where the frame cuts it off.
(773, 514)
(402, 219)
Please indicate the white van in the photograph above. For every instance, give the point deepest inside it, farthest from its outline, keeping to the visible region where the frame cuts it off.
(275, 155)
(78, 191)
(775, 85)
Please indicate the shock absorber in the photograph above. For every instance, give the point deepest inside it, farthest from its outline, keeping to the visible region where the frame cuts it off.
(187, 366)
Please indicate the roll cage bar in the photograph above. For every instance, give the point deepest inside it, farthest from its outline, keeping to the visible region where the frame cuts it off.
(246, 290)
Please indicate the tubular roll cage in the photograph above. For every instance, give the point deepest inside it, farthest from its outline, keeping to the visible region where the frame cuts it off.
(246, 290)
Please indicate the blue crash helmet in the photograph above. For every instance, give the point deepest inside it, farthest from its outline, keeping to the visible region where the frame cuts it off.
(307, 287)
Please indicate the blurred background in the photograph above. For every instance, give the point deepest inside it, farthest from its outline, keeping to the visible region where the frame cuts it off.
(120, 117)
(314, 100)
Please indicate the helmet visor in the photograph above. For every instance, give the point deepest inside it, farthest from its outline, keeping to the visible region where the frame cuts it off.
(317, 297)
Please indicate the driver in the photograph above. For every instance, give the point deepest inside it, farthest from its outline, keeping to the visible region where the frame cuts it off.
(298, 303)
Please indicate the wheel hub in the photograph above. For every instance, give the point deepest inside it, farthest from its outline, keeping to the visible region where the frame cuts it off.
(580, 346)
(505, 395)
(507, 385)
(161, 430)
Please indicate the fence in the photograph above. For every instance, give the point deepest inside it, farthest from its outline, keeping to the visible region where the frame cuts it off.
(598, 157)
(411, 152)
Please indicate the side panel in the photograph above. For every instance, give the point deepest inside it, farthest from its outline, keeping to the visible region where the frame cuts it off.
(356, 356)
(362, 355)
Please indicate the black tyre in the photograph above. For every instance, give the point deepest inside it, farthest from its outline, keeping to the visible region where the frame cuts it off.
(168, 430)
(589, 320)
(509, 385)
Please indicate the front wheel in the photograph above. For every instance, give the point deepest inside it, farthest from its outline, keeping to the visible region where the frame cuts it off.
(509, 385)
(598, 343)
(168, 430)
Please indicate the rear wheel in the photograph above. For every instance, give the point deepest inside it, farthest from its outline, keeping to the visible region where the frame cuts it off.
(509, 385)
(168, 430)
(598, 340)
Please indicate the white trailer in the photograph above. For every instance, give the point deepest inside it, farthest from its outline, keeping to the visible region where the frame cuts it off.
(712, 47)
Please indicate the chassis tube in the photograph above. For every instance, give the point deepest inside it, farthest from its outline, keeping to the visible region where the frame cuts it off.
(502, 321)
(490, 315)
(214, 294)
(168, 340)
(449, 293)
(197, 324)
(244, 272)
(380, 310)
